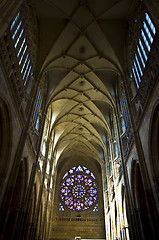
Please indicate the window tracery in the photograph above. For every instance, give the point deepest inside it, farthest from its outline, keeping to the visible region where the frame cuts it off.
(37, 109)
(146, 33)
(21, 47)
(79, 190)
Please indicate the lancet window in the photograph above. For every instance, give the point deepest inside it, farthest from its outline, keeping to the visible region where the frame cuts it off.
(37, 108)
(19, 39)
(144, 43)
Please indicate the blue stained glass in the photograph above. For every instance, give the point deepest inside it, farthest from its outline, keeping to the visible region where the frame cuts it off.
(150, 23)
(61, 208)
(145, 40)
(67, 202)
(65, 175)
(92, 175)
(71, 171)
(79, 191)
(79, 169)
(78, 208)
(95, 209)
(13, 23)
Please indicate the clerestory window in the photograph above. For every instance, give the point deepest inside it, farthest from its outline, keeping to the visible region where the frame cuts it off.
(143, 48)
(37, 109)
(124, 118)
(21, 47)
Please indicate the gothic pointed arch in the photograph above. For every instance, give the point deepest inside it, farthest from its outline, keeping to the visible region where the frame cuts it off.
(5, 145)
(16, 209)
(140, 203)
(154, 148)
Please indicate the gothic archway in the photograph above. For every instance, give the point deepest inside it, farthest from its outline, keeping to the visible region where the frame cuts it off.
(125, 227)
(78, 204)
(16, 211)
(5, 146)
(154, 149)
(143, 223)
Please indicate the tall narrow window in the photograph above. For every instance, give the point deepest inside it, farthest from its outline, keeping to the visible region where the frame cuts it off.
(110, 168)
(20, 44)
(143, 48)
(124, 109)
(37, 108)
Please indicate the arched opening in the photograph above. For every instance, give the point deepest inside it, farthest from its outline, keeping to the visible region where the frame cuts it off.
(78, 203)
(116, 216)
(154, 149)
(15, 212)
(31, 213)
(140, 203)
(5, 146)
(125, 226)
(110, 227)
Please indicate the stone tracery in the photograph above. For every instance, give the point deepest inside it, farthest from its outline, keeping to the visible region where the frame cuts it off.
(79, 189)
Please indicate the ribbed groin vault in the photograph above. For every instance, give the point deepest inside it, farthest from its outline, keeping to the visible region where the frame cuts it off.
(79, 120)
(82, 70)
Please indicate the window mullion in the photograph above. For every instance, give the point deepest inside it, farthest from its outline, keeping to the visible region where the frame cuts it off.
(137, 72)
(15, 22)
(19, 37)
(143, 50)
(147, 37)
(14, 35)
(27, 76)
(145, 41)
(148, 31)
(144, 47)
(138, 65)
(141, 56)
(135, 77)
(24, 62)
(23, 54)
(21, 46)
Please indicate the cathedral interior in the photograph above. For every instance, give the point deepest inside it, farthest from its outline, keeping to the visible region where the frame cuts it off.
(79, 119)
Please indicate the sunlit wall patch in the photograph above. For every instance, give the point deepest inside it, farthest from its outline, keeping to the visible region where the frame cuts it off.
(78, 189)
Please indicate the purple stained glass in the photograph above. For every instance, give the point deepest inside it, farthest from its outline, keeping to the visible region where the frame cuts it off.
(95, 209)
(78, 189)
(71, 171)
(61, 208)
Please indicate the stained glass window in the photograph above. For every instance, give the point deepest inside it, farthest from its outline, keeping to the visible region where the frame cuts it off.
(79, 189)
(143, 48)
(21, 47)
(61, 208)
(95, 209)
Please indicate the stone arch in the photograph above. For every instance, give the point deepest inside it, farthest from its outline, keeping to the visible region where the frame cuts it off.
(8, 8)
(80, 209)
(15, 212)
(154, 148)
(31, 212)
(5, 145)
(34, 201)
(122, 203)
(125, 227)
(110, 227)
(115, 216)
(39, 226)
(140, 203)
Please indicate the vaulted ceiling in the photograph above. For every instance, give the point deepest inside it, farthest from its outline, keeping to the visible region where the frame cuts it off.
(81, 55)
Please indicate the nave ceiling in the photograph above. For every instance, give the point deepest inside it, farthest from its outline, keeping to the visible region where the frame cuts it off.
(81, 56)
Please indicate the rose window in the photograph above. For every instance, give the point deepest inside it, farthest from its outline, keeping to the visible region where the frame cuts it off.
(78, 189)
